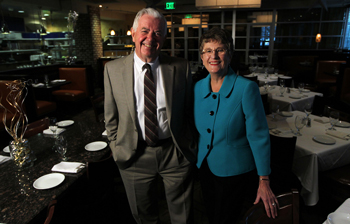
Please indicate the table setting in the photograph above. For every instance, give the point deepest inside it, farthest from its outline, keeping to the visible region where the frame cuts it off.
(27, 192)
(318, 148)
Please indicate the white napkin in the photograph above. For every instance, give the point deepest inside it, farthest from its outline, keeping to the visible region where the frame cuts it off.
(68, 167)
(104, 133)
(281, 131)
(58, 131)
(4, 159)
(322, 120)
(338, 134)
(38, 84)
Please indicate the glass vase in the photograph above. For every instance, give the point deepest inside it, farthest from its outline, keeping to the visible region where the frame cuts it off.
(21, 154)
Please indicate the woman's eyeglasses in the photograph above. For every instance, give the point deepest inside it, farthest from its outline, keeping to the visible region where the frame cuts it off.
(219, 51)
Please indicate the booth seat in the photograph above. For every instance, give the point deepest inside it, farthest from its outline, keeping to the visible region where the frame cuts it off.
(78, 88)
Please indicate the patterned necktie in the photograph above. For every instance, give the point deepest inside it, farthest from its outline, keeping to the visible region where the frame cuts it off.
(151, 123)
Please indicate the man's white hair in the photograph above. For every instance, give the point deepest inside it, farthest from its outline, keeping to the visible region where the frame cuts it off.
(152, 12)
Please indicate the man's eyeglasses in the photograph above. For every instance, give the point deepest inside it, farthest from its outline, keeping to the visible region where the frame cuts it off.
(219, 51)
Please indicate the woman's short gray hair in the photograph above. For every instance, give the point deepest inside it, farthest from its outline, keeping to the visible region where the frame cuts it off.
(152, 12)
(217, 34)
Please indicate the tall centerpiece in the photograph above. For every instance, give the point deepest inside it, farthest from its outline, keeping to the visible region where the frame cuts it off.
(15, 121)
(72, 21)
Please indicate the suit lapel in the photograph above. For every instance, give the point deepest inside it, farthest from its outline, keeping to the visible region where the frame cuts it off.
(168, 81)
(128, 79)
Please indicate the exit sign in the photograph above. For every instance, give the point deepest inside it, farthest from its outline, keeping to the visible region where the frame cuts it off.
(170, 5)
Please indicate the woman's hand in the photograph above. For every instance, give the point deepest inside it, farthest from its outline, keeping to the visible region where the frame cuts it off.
(267, 196)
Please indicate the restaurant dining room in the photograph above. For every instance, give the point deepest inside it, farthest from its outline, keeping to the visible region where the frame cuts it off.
(56, 163)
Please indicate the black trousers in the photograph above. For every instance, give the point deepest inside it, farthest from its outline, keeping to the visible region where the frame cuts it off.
(224, 197)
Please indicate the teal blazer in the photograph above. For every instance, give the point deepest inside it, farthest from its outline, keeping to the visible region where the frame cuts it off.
(234, 135)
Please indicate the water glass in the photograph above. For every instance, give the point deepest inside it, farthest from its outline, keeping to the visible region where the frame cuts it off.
(301, 87)
(61, 147)
(266, 87)
(282, 82)
(300, 122)
(275, 110)
(333, 119)
(53, 125)
(282, 90)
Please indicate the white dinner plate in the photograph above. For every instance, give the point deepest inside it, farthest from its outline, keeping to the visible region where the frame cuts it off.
(295, 96)
(274, 78)
(285, 114)
(65, 123)
(48, 181)
(305, 90)
(342, 124)
(324, 139)
(338, 218)
(6, 149)
(95, 146)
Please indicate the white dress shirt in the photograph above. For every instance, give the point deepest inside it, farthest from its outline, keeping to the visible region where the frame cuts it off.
(163, 130)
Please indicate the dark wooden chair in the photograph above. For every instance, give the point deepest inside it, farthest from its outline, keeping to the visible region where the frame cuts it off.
(318, 106)
(287, 81)
(288, 212)
(97, 102)
(253, 78)
(50, 211)
(343, 83)
(78, 89)
(282, 154)
(37, 127)
(266, 104)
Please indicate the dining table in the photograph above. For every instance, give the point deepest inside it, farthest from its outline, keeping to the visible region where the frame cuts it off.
(289, 101)
(21, 201)
(317, 149)
(341, 214)
(271, 79)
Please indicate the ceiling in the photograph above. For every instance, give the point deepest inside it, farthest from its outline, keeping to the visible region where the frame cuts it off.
(58, 9)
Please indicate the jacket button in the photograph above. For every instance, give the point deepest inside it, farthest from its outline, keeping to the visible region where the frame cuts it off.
(211, 113)
(208, 130)
(214, 97)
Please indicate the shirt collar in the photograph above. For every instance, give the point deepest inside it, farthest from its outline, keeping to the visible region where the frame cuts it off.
(227, 85)
(139, 63)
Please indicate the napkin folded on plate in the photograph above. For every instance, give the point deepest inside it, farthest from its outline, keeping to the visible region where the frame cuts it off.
(281, 131)
(338, 134)
(4, 159)
(68, 167)
(58, 131)
(104, 133)
(322, 120)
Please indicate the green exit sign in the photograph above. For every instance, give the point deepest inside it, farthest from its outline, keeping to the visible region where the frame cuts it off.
(170, 5)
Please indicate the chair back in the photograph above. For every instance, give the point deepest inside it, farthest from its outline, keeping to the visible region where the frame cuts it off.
(318, 106)
(288, 81)
(97, 102)
(288, 212)
(324, 68)
(266, 104)
(37, 127)
(77, 77)
(282, 156)
(343, 83)
(50, 211)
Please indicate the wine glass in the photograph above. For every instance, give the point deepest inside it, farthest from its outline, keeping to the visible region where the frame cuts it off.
(274, 111)
(300, 122)
(53, 125)
(308, 110)
(282, 90)
(301, 87)
(266, 87)
(333, 119)
(282, 82)
(61, 147)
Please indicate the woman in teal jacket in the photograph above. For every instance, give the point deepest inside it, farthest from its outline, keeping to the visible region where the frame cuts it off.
(234, 142)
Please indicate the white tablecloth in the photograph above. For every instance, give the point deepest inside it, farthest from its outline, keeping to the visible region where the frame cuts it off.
(271, 79)
(286, 103)
(343, 208)
(311, 157)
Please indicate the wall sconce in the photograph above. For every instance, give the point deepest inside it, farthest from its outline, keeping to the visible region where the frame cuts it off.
(112, 33)
(318, 38)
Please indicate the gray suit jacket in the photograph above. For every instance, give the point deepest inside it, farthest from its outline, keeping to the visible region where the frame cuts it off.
(120, 107)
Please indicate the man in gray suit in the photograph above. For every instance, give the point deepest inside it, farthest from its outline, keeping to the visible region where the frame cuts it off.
(172, 153)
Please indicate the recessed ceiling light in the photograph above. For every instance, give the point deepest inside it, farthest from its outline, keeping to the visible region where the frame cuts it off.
(45, 14)
(20, 11)
(100, 6)
(43, 18)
